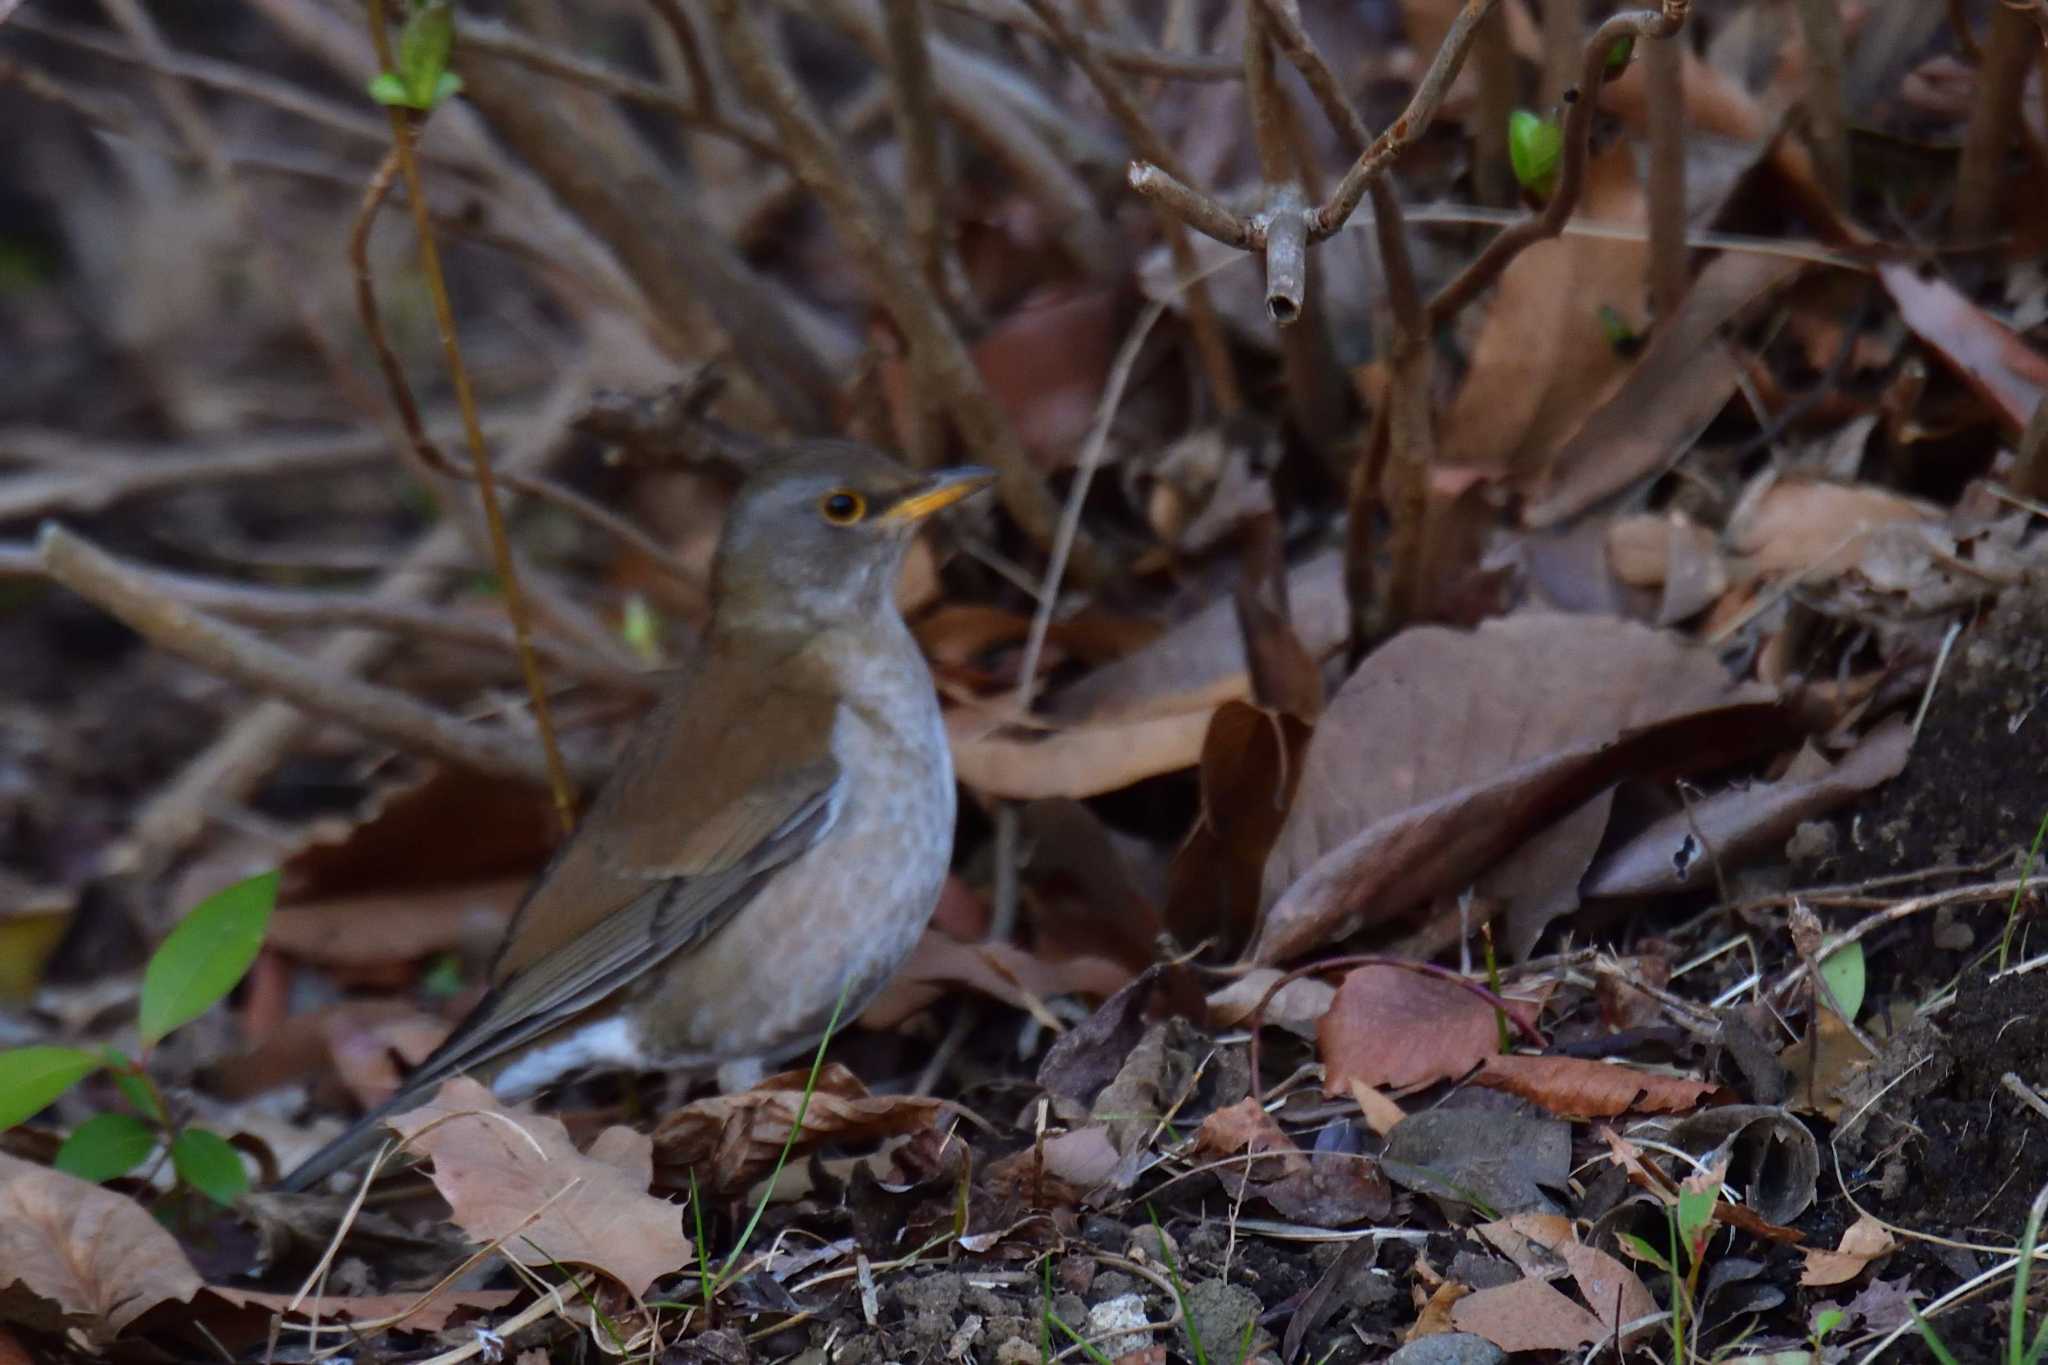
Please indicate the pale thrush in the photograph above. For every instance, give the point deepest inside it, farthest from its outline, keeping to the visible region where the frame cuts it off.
(774, 837)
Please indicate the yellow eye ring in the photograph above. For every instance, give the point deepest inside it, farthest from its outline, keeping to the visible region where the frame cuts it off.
(843, 507)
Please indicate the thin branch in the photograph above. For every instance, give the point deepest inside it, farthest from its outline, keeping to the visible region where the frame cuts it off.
(942, 357)
(1008, 136)
(1498, 72)
(1128, 57)
(1663, 61)
(303, 609)
(255, 662)
(698, 110)
(402, 133)
(1578, 127)
(1210, 342)
(2009, 51)
(917, 128)
(1564, 29)
(87, 476)
(1286, 254)
(1825, 104)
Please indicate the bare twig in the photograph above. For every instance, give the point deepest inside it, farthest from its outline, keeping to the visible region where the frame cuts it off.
(993, 122)
(1578, 126)
(1128, 57)
(486, 35)
(298, 609)
(917, 128)
(1217, 364)
(1286, 253)
(2009, 50)
(1663, 60)
(1493, 61)
(255, 662)
(937, 350)
(402, 133)
(2030, 465)
(1564, 29)
(1825, 104)
(86, 476)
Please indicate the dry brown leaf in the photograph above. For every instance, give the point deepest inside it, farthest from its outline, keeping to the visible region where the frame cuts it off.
(1002, 971)
(516, 1176)
(1074, 763)
(1804, 526)
(1682, 379)
(74, 1255)
(1863, 1241)
(1380, 1110)
(1580, 1087)
(1396, 1029)
(420, 1313)
(2007, 373)
(1447, 749)
(1539, 1243)
(1544, 359)
(1734, 824)
(1251, 762)
(736, 1139)
(1199, 664)
(1527, 1315)
(395, 926)
(1247, 1127)
(1297, 1006)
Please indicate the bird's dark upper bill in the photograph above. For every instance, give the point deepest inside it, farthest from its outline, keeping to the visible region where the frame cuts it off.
(942, 489)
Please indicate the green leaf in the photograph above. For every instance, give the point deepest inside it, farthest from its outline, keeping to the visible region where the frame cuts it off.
(1696, 1219)
(1826, 1321)
(446, 86)
(1843, 971)
(30, 1077)
(1643, 1251)
(205, 956)
(106, 1145)
(386, 88)
(209, 1164)
(424, 44)
(640, 628)
(1619, 54)
(1535, 144)
(131, 1085)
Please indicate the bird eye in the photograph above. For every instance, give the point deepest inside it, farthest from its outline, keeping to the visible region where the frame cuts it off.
(843, 508)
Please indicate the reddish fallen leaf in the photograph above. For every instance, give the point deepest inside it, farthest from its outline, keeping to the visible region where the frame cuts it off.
(1447, 749)
(1539, 1242)
(1527, 1315)
(1580, 1087)
(1809, 526)
(1002, 971)
(421, 1312)
(1251, 762)
(1863, 1241)
(514, 1177)
(1396, 1029)
(394, 926)
(76, 1256)
(1247, 1127)
(733, 1140)
(2007, 373)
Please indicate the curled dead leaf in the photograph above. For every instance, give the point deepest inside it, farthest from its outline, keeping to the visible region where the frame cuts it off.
(733, 1140)
(74, 1255)
(1863, 1241)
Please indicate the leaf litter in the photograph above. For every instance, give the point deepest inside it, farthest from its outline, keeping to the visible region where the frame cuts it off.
(1806, 536)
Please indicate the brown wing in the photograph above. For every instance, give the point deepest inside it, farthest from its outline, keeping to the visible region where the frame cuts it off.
(726, 781)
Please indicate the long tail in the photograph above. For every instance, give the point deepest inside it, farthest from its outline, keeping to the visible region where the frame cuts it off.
(360, 1139)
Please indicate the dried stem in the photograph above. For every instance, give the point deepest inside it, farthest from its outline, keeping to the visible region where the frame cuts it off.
(1578, 126)
(297, 609)
(1210, 342)
(2009, 49)
(917, 128)
(473, 433)
(1663, 61)
(940, 355)
(130, 595)
(1825, 105)
(2030, 468)
(1493, 61)
(699, 109)
(1564, 29)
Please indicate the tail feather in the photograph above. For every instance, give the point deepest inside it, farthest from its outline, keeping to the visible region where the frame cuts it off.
(360, 1139)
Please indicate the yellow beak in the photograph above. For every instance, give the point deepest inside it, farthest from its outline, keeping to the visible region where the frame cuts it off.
(942, 489)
